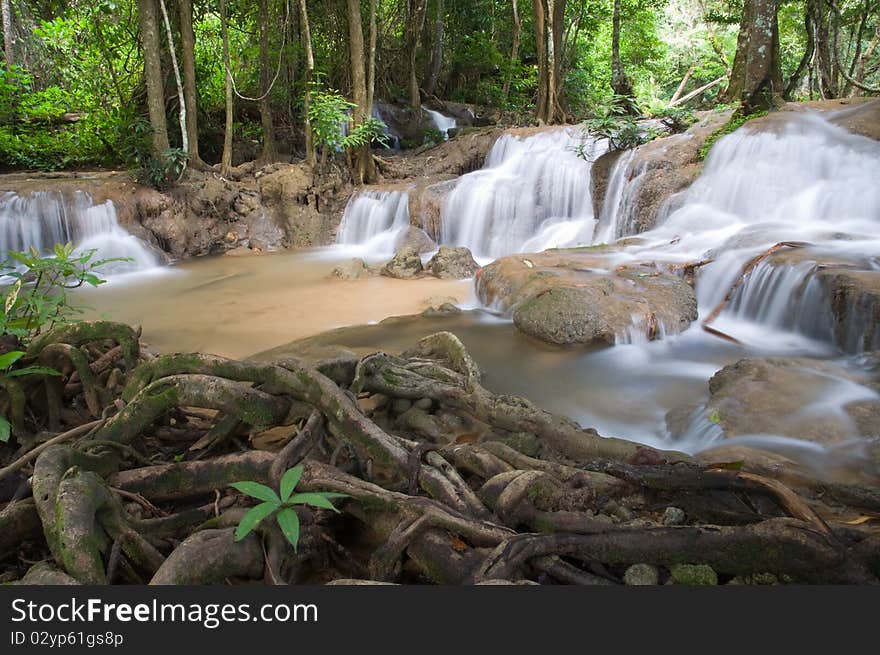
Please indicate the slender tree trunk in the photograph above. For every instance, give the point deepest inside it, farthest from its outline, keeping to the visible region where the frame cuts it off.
(865, 56)
(364, 167)
(809, 49)
(269, 152)
(371, 60)
(415, 22)
(756, 79)
(541, 47)
(556, 12)
(620, 82)
(153, 75)
(8, 36)
(181, 100)
(822, 40)
(188, 57)
(226, 157)
(437, 51)
(310, 68)
(514, 49)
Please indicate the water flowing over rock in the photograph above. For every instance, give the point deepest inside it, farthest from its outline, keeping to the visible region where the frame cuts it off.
(441, 122)
(45, 218)
(375, 220)
(532, 193)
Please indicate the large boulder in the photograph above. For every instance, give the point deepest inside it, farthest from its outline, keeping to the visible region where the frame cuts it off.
(569, 297)
(426, 200)
(417, 239)
(794, 397)
(455, 263)
(405, 264)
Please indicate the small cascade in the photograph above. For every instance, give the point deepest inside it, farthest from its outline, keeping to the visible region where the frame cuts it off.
(44, 218)
(617, 215)
(374, 220)
(393, 139)
(441, 122)
(533, 193)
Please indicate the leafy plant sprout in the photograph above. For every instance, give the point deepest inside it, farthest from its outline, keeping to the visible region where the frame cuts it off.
(281, 504)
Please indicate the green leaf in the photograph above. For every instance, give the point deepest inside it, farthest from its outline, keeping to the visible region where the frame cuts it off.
(257, 490)
(321, 500)
(289, 481)
(250, 520)
(32, 370)
(5, 429)
(8, 359)
(715, 417)
(289, 523)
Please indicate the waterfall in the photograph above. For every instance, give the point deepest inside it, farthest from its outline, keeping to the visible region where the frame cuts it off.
(618, 207)
(374, 221)
(441, 122)
(533, 193)
(44, 218)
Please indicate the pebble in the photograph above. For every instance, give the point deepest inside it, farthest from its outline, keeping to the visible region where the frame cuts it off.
(673, 516)
(640, 575)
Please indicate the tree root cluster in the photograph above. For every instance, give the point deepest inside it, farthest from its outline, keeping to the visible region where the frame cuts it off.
(123, 468)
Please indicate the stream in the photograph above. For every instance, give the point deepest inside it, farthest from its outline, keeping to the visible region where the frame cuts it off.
(804, 180)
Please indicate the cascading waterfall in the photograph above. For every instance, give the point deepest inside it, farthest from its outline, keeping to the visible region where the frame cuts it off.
(533, 193)
(374, 221)
(618, 207)
(44, 218)
(441, 122)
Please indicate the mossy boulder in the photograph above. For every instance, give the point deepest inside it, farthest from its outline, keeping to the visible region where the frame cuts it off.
(693, 575)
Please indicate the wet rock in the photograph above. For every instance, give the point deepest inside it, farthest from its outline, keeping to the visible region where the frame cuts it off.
(426, 199)
(564, 297)
(443, 309)
(417, 239)
(455, 263)
(641, 575)
(405, 264)
(353, 269)
(400, 405)
(673, 516)
(693, 574)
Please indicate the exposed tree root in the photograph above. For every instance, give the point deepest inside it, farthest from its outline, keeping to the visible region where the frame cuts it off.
(517, 495)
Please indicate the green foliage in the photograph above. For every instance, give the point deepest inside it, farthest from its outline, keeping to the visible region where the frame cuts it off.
(736, 121)
(281, 505)
(676, 119)
(614, 123)
(7, 360)
(158, 172)
(37, 299)
(330, 117)
(432, 137)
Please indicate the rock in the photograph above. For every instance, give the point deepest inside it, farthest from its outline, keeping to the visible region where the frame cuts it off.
(353, 269)
(426, 200)
(524, 442)
(424, 404)
(774, 396)
(641, 575)
(450, 262)
(444, 309)
(400, 405)
(673, 516)
(405, 264)
(417, 239)
(693, 574)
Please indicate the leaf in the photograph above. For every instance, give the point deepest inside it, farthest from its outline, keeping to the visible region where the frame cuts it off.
(5, 429)
(715, 417)
(289, 481)
(8, 359)
(288, 521)
(257, 490)
(250, 520)
(13, 295)
(321, 500)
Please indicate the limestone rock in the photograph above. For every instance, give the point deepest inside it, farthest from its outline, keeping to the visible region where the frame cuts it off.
(456, 263)
(405, 264)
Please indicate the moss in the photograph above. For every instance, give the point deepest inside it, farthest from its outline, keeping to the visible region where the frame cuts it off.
(693, 574)
(736, 121)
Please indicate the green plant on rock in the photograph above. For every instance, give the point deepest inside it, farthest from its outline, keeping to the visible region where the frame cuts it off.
(330, 118)
(37, 298)
(281, 505)
(736, 121)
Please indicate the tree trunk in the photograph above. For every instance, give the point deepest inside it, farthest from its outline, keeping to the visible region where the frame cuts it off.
(514, 48)
(310, 68)
(269, 152)
(437, 51)
(226, 157)
(8, 36)
(153, 75)
(364, 167)
(416, 22)
(756, 79)
(556, 11)
(620, 83)
(181, 100)
(371, 60)
(541, 48)
(188, 57)
(824, 56)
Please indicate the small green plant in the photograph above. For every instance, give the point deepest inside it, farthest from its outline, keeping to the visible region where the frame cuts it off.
(330, 116)
(736, 121)
(615, 122)
(7, 373)
(281, 505)
(37, 299)
(157, 172)
(676, 119)
(432, 137)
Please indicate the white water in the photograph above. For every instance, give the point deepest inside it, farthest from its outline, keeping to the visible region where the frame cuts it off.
(441, 122)
(533, 193)
(45, 218)
(373, 222)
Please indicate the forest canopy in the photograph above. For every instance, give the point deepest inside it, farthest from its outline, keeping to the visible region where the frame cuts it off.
(157, 83)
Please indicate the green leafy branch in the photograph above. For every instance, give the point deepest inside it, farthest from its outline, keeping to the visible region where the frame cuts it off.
(7, 373)
(281, 505)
